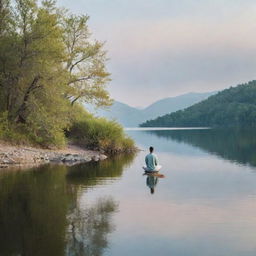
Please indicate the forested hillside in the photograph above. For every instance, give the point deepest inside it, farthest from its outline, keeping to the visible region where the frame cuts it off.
(49, 65)
(235, 106)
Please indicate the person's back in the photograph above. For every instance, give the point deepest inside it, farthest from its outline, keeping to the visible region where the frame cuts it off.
(151, 162)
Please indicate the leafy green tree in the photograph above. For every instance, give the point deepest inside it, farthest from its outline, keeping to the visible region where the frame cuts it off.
(85, 63)
(49, 66)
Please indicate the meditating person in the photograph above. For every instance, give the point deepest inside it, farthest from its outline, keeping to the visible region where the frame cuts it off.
(151, 160)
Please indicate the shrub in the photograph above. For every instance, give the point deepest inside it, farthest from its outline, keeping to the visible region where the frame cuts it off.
(10, 134)
(82, 128)
(100, 134)
(34, 134)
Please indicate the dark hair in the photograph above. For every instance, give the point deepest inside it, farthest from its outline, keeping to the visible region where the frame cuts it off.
(151, 149)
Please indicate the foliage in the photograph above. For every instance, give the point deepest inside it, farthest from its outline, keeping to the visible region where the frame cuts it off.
(11, 134)
(85, 63)
(49, 64)
(235, 106)
(100, 134)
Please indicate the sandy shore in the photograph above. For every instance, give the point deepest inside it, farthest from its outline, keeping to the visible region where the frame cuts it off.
(11, 156)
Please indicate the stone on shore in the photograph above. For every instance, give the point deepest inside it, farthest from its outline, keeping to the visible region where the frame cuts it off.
(18, 155)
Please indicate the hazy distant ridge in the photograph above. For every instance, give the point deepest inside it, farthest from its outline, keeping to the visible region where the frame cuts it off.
(131, 117)
(172, 104)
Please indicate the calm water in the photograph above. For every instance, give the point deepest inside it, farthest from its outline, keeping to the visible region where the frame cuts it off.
(205, 205)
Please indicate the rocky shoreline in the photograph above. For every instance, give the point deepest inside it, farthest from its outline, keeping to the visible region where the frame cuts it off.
(18, 156)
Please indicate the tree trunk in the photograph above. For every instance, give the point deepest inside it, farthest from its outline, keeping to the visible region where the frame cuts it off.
(20, 116)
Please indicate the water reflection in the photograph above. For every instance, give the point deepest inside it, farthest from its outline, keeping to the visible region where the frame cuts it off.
(205, 206)
(33, 207)
(233, 144)
(151, 182)
(88, 228)
(107, 170)
(41, 211)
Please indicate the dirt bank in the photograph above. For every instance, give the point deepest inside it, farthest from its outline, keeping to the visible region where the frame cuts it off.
(11, 156)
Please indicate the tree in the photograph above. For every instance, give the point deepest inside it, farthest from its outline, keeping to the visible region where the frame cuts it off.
(85, 63)
(33, 79)
(48, 63)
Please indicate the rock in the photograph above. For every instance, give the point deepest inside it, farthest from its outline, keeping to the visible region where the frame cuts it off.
(88, 158)
(103, 157)
(76, 158)
(96, 158)
(56, 159)
(68, 158)
(3, 166)
(8, 160)
(20, 159)
(20, 156)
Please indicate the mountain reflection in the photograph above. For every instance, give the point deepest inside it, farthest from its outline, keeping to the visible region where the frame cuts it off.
(41, 213)
(237, 145)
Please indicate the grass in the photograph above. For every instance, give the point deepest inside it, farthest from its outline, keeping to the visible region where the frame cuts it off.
(101, 134)
(85, 130)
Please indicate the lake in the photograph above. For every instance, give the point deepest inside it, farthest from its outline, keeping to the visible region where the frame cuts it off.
(205, 205)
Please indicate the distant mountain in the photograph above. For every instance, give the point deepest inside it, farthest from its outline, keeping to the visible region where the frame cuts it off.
(173, 104)
(132, 117)
(235, 106)
(122, 113)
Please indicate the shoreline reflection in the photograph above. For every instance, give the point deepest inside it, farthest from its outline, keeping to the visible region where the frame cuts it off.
(238, 145)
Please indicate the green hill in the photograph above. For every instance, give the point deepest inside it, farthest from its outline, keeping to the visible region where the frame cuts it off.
(235, 106)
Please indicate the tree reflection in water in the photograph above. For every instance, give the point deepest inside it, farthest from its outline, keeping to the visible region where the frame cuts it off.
(88, 228)
(33, 206)
(40, 212)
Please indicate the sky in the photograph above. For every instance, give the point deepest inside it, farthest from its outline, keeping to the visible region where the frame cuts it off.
(164, 48)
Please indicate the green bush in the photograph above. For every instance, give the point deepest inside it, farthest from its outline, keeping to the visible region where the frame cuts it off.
(84, 130)
(33, 134)
(100, 134)
(10, 134)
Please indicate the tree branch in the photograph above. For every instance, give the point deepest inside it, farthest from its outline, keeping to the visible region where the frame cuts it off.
(77, 62)
(80, 79)
(74, 100)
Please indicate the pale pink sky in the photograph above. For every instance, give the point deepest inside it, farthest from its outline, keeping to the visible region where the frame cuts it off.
(165, 48)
